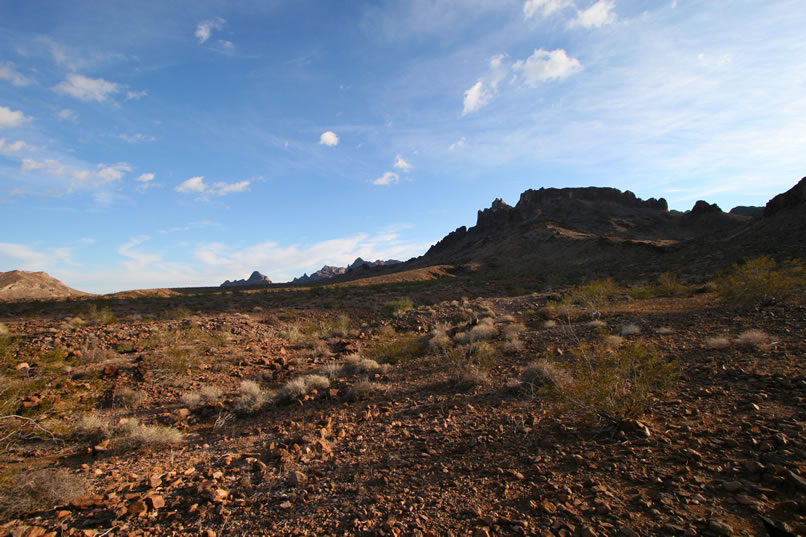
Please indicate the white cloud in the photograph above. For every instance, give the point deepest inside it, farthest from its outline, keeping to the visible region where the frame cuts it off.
(721, 61)
(388, 178)
(595, 16)
(137, 138)
(476, 97)
(145, 177)
(7, 72)
(14, 147)
(459, 144)
(329, 138)
(87, 89)
(49, 166)
(543, 7)
(136, 95)
(197, 184)
(103, 174)
(138, 259)
(205, 28)
(226, 44)
(67, 114)
(194, 184)
(11, 118)
(546, 66)
(402, 164)
(23, 257)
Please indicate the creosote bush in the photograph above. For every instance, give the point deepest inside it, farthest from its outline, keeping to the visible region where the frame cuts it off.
(396, 307)
(762, 281)
(613, 383)
(587, 298)
(667, 285)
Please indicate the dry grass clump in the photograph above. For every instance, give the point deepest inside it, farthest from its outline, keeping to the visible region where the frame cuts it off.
(207, 396)
(293, 334)
(251, 398)
(717, 342)
(397, 307)
(3, 330)
(363, 390)
(542, 374)
(469, 377)
(630, 330)
(320, 349)
(40, 490)
(439, 338)
(396, 349)
(664, 331)
(551, 323)
(129, 434)
(752, 338)
(299, 387)
(597, 323)
(483, 331)
(332, 370)
(505, 319)
(128, 398)
(469, 364)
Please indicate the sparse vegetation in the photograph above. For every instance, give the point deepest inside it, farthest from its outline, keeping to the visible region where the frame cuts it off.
(396, 349)
(666, 285)
(754, 338)
(207, 396)
(543, 374)
(251, 398)
(128, 398)
(761, 281)
(39, 490)
(127, 435)
(301, 386)
(717, 342)
(396, 307)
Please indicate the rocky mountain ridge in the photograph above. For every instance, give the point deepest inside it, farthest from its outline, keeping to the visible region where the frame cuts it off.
(328, 271)
(256, 278)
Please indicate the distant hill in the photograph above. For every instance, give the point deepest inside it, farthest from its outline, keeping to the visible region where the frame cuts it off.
(24, 285)
(743, 210)
(256, 278)
(327, 271)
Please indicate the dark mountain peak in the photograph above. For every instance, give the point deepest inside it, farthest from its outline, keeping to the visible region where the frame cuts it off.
(703, 207)
(794, 197)
(256, 278)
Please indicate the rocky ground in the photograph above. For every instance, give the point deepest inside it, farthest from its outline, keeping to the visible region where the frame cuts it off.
(410, 447)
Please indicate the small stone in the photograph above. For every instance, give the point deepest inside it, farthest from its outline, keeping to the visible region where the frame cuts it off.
(156, 501)
(35, 531)
(585, 531)
(626, 531)
(732, 486)
(719, 527)
(219, 495)
(548, 507)
(208, 533)
(297, 478)
(23, 366)
(137, 508)
(85, 502)
(481, 532)
(286, 505)
(155, 481)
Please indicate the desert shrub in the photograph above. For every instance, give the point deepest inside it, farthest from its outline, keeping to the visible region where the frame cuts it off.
(300, 386)
(3, 330)
(664, 331)
(544, 374)
(131, 435)
(761, 281)
(754, 338)
(396, 307)
(251, 398)
(630, 330)
(717, 342)
(293, 334)
(614, 384)
(40, 490)
(469, 364)
(362, 390)
(319, 349)
(207, 396)
(332, 370)
(483, 331)
(92, 428)
(439, 338)
(99, 316)
(469, 376)
(337, 327)
(398, 349)
(597, 323)
(128, 398)
(592, 295)
(551, 323)
(666, 285)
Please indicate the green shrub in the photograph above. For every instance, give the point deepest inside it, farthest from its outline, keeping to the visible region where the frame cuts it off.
(761, 281)
(396, 307)
(397, 349)
(613, 383)
(593, 295)
(666, 285)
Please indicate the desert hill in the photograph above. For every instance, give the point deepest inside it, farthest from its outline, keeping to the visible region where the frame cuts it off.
(25, 285)
(328, 271)
(256, 278)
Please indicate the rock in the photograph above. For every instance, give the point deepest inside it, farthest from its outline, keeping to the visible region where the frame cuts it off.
(256, 278)
(626, 531)
(85, 502)
(548, 507)
(585, 531)
(219, 495)
(796, 480)
(297, 478)
(23, 366)
(732, 486)
(481, 532)
(208, 533)
(156, 501)
(137, 508)
(720, 527)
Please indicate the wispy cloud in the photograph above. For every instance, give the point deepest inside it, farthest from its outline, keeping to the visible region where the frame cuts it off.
(87, 89)
(8, 72)
(402, 164)
(136, 95)
(198, 186)
(145, 177)
(544, 8)
(24, 257)
(137, 138)
(12, 118)
(48, 166)
(388, 178)
(475, 97)
(596, 16)
(546, 66)
(205, 28)
(10, 148)
(66, 114)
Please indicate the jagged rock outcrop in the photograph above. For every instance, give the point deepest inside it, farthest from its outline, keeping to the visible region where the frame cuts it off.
(328, 271)
(703, 207)
(792, 198)
(256, 278)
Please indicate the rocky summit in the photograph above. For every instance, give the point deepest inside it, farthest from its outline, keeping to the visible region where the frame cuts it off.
(256, 278)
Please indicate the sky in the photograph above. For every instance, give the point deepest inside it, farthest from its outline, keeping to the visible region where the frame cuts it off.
(170, 144)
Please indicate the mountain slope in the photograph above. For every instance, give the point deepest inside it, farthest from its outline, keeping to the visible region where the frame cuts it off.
(24, 285)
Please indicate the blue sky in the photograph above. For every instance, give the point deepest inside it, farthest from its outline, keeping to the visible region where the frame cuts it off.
(154, 144)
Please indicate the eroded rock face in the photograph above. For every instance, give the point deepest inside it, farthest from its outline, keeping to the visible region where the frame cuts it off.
(792, 198)
(256, 278)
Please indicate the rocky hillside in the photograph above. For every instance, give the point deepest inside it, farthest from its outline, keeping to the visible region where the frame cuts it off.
(255, 279)
(580, 231)
(24, 285)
